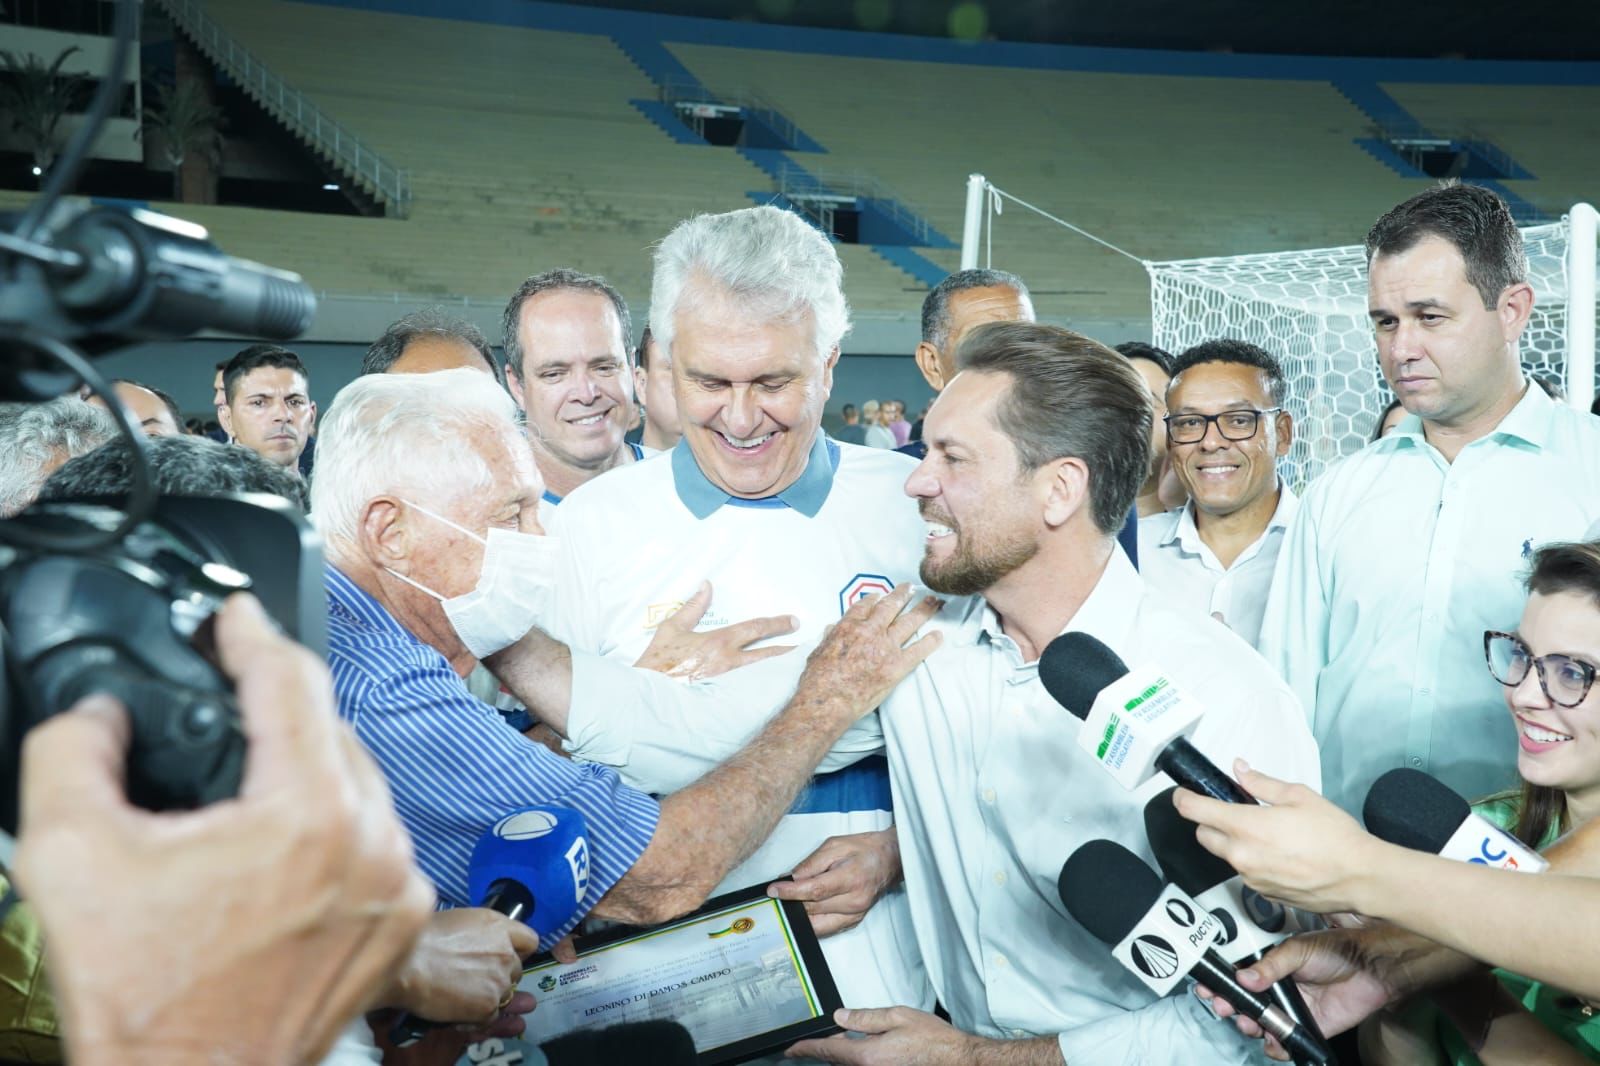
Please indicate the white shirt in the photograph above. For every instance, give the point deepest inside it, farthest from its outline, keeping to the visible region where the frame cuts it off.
(879, 436)
(1183, 571)
(638, 542)
(1395, 565)
(992, 794)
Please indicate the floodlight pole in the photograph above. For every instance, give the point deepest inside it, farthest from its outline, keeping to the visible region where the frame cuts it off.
(972, 231)
(1581, 231)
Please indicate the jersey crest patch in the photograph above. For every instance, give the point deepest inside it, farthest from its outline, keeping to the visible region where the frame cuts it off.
(863, 585)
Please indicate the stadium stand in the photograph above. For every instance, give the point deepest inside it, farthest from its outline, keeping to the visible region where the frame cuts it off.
(527, 146)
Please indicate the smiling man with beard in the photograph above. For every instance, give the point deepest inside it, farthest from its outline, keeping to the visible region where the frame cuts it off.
(1035, 452)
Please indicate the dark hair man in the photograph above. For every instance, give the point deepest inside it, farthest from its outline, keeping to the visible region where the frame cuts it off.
(566, 338)
(429, 340)
(1161, 491)
(1226, 427)
(154, 411)
(1381, 635)
(268, 406)
(1035, 451)
(652, 383)
(853, 432)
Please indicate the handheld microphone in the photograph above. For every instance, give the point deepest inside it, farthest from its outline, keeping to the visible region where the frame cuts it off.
(1161, 935)
(1135, 723)
(531, 866)
(1410, 808)
(1251, 923)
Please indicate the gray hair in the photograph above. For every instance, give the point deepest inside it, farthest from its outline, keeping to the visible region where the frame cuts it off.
(1473, 219)
(936, 307)
(430, 322)
(770, 261)
(554, 281)
(403, 434)
(37, 438)
(1070, 396)
(179, 466)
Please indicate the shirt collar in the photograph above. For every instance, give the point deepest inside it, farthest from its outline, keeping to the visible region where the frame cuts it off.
(807, 493)
(347, 598)
(1530, 421)
(1187, 533)
(1106, 614)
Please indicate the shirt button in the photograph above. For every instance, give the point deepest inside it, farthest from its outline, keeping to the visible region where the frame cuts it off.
(988, 795)
(1019, 1034)
(1416, 760)
(1000, 960)
(1424, 691)
(999, 877)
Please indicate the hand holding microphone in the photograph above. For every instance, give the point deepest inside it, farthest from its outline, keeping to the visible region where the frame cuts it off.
(1161, 935)
(1252, 923)
(531, 867)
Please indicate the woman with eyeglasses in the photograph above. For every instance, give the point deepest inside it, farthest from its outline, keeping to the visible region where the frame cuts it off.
(1547, 668)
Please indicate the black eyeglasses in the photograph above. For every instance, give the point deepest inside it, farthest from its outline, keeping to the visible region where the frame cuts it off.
(1233, 425)
(1566, 681)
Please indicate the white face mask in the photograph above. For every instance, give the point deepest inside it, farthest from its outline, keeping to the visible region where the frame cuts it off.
(515, 588)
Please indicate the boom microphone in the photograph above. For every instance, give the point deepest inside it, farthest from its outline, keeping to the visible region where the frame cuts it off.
(1410, 808)
(1251, 923)
(532, 867)
(1135, 723)
(1161, 935)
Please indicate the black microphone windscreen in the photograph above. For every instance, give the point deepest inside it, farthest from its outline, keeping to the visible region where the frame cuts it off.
(1183, 861)
(1409, 808)
(1074, 667)
(1107, 889)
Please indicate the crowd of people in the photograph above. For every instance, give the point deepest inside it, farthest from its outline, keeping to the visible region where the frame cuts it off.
(637, 579)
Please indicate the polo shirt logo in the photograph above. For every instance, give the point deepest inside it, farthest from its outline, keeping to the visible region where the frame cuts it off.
(863, 585)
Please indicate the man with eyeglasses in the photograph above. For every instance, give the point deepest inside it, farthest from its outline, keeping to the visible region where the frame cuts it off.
(1402, 555)
(1226, 428)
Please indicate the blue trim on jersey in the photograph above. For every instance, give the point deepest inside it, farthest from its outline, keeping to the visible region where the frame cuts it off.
(638, 452)
(807, 495)
(862, 786)
(550, 497)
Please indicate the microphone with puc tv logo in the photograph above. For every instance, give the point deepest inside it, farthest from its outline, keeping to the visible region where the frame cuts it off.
(1410, 808)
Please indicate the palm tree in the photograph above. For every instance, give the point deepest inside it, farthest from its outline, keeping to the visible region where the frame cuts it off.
(187, 122)
(35, 98)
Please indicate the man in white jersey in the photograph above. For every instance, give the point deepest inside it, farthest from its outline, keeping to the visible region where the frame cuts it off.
(749, 309)
(1035, 452)
(1402, 555)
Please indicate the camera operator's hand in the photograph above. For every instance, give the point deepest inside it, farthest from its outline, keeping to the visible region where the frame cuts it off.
(248, 931)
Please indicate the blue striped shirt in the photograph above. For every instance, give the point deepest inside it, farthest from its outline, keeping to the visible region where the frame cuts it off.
(454, 766)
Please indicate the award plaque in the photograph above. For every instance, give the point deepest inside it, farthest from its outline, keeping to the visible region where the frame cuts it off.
(744, 975)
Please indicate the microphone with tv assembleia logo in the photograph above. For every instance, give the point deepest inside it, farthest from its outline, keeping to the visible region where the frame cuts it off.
(1161, 935)
(1410, 808)
(1251, 923)
(531, 866)
(1135, 722)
